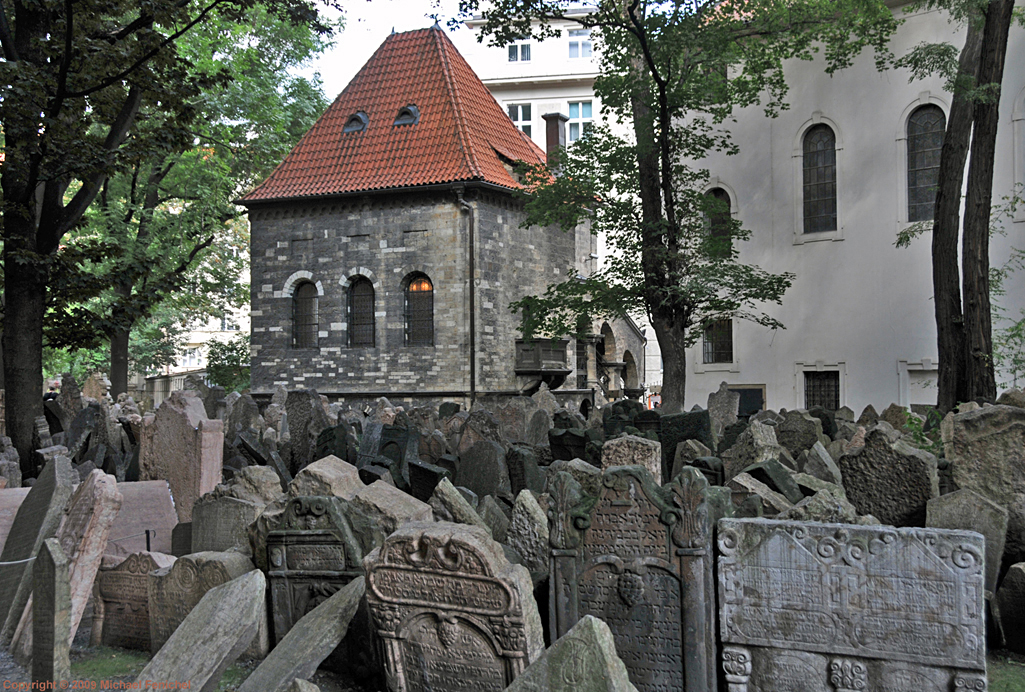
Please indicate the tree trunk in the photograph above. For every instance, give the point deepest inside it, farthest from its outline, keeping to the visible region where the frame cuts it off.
(671, 339)
(980, 379)
(946, 282)
(119, 362)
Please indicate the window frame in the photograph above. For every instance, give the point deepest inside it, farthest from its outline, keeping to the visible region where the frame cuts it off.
(797, 156)
(900, 151)
(407, 309)
(583, 38)
(801, 367)
(355, 283)
(700, 366)
(519, 122)
(931, 107)
(297, 343)
(516, 50)
(827, 164)
(582, 124)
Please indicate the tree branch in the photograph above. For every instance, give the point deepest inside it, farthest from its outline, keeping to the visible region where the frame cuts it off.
(6, 38)
(62, 76)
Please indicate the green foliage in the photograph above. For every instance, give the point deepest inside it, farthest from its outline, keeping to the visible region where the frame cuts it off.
(929, 441)
(228, 363)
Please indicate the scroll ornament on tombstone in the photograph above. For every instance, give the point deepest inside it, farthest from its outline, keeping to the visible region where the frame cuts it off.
(639, 557)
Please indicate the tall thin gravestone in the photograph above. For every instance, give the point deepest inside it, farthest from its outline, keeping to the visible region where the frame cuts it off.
(51, 615)
(639, 557)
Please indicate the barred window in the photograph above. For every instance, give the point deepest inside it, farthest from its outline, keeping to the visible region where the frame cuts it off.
(925, 141)
(361, 313)
(305, 320)
(419, 312)
(819, 180)
(822, 389)
(717, 346)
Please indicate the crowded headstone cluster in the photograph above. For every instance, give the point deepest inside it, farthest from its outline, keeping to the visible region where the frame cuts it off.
(520, 545)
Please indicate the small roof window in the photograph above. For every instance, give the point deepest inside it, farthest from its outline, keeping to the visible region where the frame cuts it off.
(408, 115)
(357, 122)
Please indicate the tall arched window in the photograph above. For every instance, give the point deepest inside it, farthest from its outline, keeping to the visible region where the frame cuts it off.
(305, 320)
(925, 141)
(719, 222)
(819, 179)
(361, 313)
(419, 311)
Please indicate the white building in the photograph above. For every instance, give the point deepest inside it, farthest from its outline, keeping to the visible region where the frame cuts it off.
(859, 317)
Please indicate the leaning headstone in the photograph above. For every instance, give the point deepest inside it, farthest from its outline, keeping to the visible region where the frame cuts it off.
(630, 450)
(537, 428)
(819, 463)
(482, 469)
(36, 520)
(302, 686)
(327, 476)
(582, 660)
(677, 427)
(772, 502)
(306, 420)
(121, 604)
(1011, 600)
(453, 613)
(821, 606)
(70, 396)
(378, 509)
(222, 523)
(890, 481)
(82, 535)
(524, 472)
(174, 591)
(587, 475)
(567, 444)
(51, 617)
(225, 621)
(640, 558)
(449, 504)
(799, 431)
(182, 446)
(181, 539)
(311, 641)
(686, 452)
(723, 406)
(528, 533)
(896, 415)
(424, 478)
(495, 517)
(545, 400)
(967, 510)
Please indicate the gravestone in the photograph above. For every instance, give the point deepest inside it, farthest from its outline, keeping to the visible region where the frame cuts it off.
(799, 431)
(311, 554)
(969, 511)
(723, 406)
(537, 428)
(306, 420)
(121, 606)
(424, 478)
(567, 444)
(640, 558)
(51, 617)
(174, 591)
(808, 605)
(524, 472)
(1011, 602)
(181, 539)
(631, 450)
(181, 445)
(37, 519)
(82, 535)
(70, 396)
(482, 469)
(452, 612)
(448, 504)
(677, 427)
(528, 533)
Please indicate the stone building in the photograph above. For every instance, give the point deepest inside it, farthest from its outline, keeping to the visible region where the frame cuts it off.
(387, 246)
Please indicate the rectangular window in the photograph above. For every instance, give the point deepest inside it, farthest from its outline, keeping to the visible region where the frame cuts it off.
(192, 358)
(520, 113)
(822, 388)
(580, 43)
(580, 119)
(717, 346)
(228, 324)
(519, 52)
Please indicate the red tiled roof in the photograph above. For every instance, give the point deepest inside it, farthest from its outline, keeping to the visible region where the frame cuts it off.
(463, 134)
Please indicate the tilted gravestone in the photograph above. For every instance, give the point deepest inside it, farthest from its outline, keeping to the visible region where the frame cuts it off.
(809, 605)
(222, 523)
(51, 620)
(454, 614)
(967, 510)
(640, 558)
(311, 555)
(121, 604)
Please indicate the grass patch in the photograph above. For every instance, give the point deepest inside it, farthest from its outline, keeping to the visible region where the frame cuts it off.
(1006, 674)
(106, 663)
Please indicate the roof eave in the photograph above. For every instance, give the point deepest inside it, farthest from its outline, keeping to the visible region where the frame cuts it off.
(434, 187)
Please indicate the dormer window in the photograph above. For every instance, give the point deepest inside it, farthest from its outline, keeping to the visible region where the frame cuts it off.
(408, 115)
(357, 122)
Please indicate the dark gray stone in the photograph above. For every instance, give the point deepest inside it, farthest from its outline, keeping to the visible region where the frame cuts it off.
(524, 472)
(677, 427)
(51, 616)
(567, 444)
(424, 478)
(482, 469)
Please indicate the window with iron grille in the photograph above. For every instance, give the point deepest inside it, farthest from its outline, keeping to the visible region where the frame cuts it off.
(819, 180)
(717, 346)
(305, 322)
(925, 140)
(420, 312)
(361, 313)
(822, 388)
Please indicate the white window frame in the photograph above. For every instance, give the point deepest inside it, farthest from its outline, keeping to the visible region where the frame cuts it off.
(519, 46)
(701, 367)
(904, 378)
(800, 367)
(580, 120)
(520, 123)
(800, 237)
(582, 38)
(925, 98)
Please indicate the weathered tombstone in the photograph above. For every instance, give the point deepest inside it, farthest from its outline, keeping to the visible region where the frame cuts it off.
(37, 519)
(82, 535)
(723, 406)
(582, 660)
(448, 504)
(222, 523)
(524, 472)
(424, 478)
(528, 533)
(482, 469)
(695, 425)
(537, 428)
(806, 606)
(448, 409)
(799, 431)
(567, 444)
(70, 396)
(121, 606)
(306, 420)
(454, 614)
(495, 517)
(311, 641)
(51, 617)
(640, 558)
(174, 591)
(263, 456)
(181, 539)
(1011, 600)
(182, 446)
(631, 450)
(311, 554)
(967, 510)
(225, 620)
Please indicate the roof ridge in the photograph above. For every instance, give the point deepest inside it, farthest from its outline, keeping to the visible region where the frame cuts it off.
(465, 139)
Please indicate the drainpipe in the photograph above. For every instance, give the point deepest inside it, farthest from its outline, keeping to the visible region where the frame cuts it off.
(468, 208)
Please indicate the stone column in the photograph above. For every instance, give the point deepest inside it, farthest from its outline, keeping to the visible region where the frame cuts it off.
(51, 615)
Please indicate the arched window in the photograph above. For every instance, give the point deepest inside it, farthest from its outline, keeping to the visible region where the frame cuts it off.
(819, 179)
(361, 313)
(925, 140)
(719, 222)
(419, 311)
(305, 320)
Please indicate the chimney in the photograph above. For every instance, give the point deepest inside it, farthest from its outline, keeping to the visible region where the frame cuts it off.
(555, 134)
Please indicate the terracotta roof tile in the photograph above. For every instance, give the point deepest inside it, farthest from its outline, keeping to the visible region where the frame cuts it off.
(463, 134)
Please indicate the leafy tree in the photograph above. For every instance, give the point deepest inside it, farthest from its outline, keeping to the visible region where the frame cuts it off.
(228, 363)
(74, 80)
(674, 71)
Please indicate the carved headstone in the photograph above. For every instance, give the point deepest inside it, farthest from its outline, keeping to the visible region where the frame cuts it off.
(723, 406)
(454, 614)
(630, 450)
(306, 420)
(640, 558)
(222, 523)
(859, 608)
(967, 510)
(182, 446)
(123, 599)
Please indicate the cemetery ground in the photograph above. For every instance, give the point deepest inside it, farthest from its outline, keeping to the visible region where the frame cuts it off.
(292, 544)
